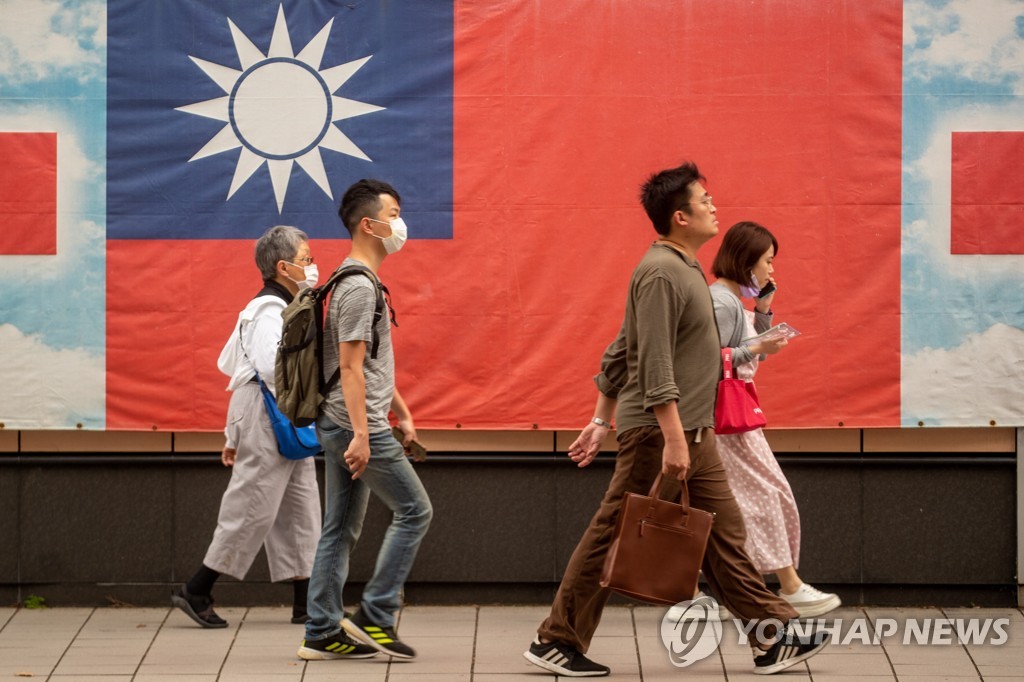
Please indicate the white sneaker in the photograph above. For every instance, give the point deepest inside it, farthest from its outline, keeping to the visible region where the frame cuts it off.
(718, 613)
(810, 602)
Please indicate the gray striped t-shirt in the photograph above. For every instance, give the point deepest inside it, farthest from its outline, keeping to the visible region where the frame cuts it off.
(350, 318)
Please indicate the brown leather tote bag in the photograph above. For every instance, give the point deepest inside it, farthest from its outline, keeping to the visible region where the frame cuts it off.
(657, 548)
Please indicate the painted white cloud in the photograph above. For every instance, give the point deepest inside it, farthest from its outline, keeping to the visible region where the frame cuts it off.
(41, 39)
(47, 387)
(973, 39)
(977, 382)
(931, 234)
(77, 235)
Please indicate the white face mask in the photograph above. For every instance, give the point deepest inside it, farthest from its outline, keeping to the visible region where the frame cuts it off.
(312, 277)
(750, 290)
(399, 233)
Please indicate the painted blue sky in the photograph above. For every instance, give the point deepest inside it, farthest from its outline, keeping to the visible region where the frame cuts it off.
(53, 79)
(963, 70)
(963, 65)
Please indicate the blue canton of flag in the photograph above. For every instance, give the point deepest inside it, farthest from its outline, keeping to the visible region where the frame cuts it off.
(226, 116)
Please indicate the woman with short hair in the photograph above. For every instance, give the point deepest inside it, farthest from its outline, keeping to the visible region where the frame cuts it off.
(270, 501)
(744, 269)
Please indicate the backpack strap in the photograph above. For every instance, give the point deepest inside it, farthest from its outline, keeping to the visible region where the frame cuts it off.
(270, 288)
(321, 294)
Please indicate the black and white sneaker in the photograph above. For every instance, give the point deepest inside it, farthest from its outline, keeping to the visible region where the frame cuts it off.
(789, 650)
(337, 646)
(564, 660)
(383, 639)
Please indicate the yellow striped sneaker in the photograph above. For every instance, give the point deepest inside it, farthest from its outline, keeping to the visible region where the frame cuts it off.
(383, 639)
(335, 646)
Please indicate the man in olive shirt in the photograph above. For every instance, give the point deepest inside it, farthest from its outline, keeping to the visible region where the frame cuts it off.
(661, 373)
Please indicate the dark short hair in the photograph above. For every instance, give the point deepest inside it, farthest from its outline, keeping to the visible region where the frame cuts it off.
(279, 243)
(668, 191)
(362, 199)
(742, 247)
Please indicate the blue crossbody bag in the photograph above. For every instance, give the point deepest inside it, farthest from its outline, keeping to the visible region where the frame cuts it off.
(293, 442)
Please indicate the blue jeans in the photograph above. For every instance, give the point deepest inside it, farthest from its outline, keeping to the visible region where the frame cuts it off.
(390, 476)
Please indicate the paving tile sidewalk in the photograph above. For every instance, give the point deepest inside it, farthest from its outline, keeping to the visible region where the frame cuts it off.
(480, 644)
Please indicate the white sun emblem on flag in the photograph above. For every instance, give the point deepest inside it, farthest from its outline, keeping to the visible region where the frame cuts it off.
(280, 109)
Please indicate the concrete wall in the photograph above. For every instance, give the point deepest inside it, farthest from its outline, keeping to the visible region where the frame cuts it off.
(889, 516)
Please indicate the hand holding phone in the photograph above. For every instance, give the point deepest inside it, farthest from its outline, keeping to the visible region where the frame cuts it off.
(768, 289)
(414, 449)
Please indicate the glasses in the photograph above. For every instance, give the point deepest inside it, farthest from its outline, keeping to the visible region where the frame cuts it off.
(706, 200)
(308, 260)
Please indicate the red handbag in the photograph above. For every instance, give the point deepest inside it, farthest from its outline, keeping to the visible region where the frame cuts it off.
(737, 409)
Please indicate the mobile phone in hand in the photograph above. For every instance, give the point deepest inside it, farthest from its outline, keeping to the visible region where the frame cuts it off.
(768, 289)
(415, 449)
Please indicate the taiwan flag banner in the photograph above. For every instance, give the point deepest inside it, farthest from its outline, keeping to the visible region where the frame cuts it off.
(518, 134)
(226, 118)
(149, 153)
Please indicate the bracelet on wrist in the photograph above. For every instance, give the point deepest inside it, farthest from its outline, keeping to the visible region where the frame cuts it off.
(601, 422)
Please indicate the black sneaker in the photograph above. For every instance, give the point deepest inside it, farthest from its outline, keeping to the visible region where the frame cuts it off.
(336, 646)
(198, 607)
(300, 619)
(789, 650)
(564, 660)
(381, 638)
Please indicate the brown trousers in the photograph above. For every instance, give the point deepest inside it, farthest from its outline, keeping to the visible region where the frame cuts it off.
(577, 608)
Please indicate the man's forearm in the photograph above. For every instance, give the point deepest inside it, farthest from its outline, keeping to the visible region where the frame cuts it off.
(399, 407)
(605, 408)
(669, 422)
(353, 388)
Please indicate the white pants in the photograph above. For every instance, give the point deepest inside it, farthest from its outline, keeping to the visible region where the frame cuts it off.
(270, 500)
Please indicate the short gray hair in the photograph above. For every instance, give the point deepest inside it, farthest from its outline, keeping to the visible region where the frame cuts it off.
(280, 242)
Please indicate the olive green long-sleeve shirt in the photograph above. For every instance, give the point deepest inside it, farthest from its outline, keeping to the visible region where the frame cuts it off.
(668, 346)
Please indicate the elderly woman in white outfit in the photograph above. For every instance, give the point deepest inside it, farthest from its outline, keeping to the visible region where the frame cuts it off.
(270, 501)
(743, 268)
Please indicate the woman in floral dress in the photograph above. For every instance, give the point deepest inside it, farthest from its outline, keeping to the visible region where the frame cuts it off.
(743, 268)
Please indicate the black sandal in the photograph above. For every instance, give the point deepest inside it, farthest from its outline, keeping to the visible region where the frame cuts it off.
(197, 607)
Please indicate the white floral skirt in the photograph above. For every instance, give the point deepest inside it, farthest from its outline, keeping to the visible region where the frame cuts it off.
(765, 498)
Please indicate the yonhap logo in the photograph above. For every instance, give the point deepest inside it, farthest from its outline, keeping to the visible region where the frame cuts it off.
(691, 631)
